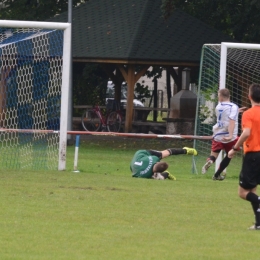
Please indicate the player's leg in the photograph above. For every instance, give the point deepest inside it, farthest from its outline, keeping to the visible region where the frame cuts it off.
(173, 151)
(248, 180)
(159, 154)
(177, 151)
(216, 147)
(225, 162)
(222, 166)
(253, 198)
(210, 160)
(168, 152)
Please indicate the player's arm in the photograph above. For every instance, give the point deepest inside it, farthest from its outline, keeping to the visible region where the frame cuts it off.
(242, 109)
(231, 128)
(232, 122)
(245, 134)
(165, 153)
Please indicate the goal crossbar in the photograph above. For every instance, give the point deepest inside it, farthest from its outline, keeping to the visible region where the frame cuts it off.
(29, 24)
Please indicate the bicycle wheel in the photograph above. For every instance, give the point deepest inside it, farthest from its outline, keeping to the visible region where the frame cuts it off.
(114, 121)
(90, 121)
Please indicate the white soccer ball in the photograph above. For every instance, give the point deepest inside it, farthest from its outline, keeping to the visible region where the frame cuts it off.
(157, 176)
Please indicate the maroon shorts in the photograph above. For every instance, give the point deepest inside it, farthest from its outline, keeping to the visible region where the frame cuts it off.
(218, 146)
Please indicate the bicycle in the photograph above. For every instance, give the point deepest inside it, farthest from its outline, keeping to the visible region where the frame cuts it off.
(93, 119)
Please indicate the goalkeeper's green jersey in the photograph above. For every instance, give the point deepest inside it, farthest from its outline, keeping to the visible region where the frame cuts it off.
(142, 164)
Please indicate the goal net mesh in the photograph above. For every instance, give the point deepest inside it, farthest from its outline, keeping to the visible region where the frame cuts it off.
(242, 69)
(30, 97)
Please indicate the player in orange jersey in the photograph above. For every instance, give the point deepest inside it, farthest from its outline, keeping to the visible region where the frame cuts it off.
(249, 176)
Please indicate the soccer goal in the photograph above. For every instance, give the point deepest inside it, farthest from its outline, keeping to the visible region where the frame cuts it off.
(34, 88)
(227, 65)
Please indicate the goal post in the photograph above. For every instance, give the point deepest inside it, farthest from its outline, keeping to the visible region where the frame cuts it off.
(227, 65)
(34, 92)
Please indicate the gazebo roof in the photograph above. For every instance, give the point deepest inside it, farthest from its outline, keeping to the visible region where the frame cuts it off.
(133, 31)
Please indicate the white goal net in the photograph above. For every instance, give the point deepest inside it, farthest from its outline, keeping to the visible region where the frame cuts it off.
(227, 65)
(31, 76)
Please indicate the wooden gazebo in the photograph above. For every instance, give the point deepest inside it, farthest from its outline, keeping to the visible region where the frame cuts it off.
(132, 35)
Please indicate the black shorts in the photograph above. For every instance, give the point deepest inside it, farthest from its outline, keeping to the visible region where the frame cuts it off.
(155, 153)
(250, 174)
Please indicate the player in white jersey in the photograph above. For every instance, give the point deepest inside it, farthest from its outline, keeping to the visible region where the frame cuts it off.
(227, 122)
(225, 132)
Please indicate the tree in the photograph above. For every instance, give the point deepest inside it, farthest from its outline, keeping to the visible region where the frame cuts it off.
(239, 19)
(34, 10)
(89, 84)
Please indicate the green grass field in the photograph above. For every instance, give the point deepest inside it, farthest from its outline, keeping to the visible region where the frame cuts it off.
(104, 213)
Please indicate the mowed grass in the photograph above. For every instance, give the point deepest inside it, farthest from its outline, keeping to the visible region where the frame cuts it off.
(104, 213)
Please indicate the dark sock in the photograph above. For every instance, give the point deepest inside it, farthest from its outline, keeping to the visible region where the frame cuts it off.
(257, 217)
(256, 210)
(175, 151)
(253, 198)
(254, 207)
(223, 165)
(212, 158)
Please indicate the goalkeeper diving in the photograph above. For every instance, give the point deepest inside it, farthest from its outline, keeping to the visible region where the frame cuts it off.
(147, 163)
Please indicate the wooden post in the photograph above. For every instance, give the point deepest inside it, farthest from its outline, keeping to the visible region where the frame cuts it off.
(168, 87)
(155, 100)
(130, 98)
(131, 78)
(177, 77)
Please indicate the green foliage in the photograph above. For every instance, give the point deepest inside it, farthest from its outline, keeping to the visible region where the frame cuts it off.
(89, 84)
(208, 94)
(168, 8)
(34, 10)
(156, 72)
(142, 92)
(238, 18)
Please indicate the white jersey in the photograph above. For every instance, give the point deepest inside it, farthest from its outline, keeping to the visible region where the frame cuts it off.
(224, 112)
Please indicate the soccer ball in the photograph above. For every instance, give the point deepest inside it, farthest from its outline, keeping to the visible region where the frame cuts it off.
(158, 176)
